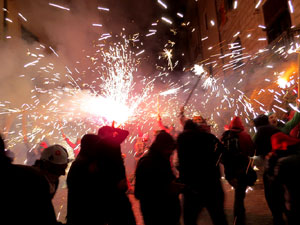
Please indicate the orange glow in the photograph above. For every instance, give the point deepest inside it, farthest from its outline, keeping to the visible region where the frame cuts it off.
(285, 78)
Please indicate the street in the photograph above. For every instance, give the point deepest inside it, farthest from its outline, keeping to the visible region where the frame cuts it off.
(256, 207)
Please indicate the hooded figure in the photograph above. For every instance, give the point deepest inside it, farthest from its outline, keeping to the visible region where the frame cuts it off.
(286, 172)
(281, 179)
(238, 148)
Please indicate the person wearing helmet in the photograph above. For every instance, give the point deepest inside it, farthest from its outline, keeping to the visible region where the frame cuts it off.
(197, 119)
(53, 164)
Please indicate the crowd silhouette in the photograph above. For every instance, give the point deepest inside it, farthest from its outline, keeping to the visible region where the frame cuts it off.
(98, 187)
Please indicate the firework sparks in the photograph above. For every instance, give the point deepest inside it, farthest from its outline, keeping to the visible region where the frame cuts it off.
(22, 17)
(167, 20)
(169, 92)
(162, 4)
(198, 69)
(103, 9)
(168, 55)
(59, 6)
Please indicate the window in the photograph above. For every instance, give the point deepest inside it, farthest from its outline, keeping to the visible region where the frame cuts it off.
(277, 18)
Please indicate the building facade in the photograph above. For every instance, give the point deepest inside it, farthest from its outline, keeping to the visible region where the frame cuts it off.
(233, 31)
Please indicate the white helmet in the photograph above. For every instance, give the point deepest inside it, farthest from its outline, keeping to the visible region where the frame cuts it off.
(56, 154)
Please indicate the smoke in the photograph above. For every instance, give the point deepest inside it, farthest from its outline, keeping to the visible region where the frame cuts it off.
(66, 36)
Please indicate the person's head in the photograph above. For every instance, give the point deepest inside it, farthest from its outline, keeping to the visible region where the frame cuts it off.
(111, 135)
(163, 144)
(273, 120)
(198, 119)
(105, 132)
(261, 120)
(236, 124)
(54, 160)
(190, 125)
(89, 145)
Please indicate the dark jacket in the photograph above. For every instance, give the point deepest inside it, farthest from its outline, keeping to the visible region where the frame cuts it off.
(93, 193)
(153, 177)
(262, 138)
(286, 172)
(154, 184)
(25, 196)
(198, 154)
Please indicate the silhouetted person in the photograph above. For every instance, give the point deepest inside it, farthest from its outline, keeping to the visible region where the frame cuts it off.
(24, 194)
(198, 154)
(238, 147)
(97, 183)
(284, 127)
(282, 176)
(263, 145)
(262, 138)
(287, 171)
(155, 185)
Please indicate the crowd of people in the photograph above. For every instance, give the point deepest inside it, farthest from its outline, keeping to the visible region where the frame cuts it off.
(166, 188)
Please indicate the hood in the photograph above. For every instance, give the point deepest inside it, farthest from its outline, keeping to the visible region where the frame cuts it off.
(281, 141)
(236, 124)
